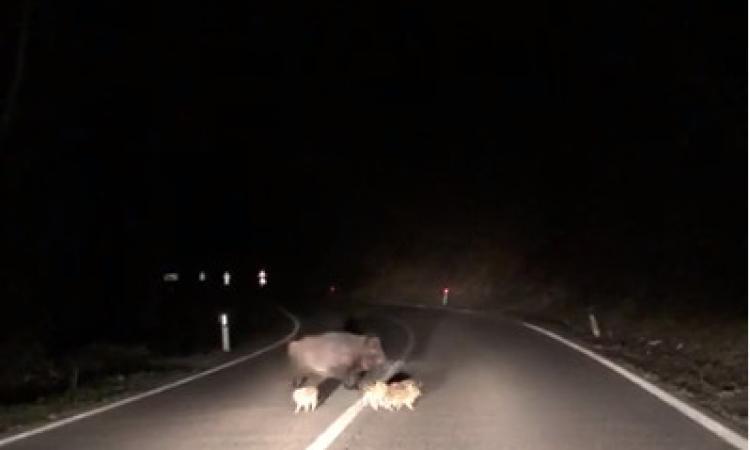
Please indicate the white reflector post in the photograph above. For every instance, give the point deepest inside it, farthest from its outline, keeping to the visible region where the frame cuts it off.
(224, 321)
(594, 325)
(202, 276)
(227, 278)
(445, 296)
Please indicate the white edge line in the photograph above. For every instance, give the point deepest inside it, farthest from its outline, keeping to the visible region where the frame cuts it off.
(728, 435)
(326, 438)
(158, 390)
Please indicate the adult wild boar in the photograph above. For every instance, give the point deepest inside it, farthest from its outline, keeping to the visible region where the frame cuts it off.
(343, 356)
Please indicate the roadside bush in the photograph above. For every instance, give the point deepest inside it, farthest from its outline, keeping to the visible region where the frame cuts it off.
(27, 372)
(102, 359)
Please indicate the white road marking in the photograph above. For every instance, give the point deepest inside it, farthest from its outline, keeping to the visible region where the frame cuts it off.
(326, 438)
(728, 435)
(160, 389)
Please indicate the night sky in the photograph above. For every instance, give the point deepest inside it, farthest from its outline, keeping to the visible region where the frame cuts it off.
(314, 140)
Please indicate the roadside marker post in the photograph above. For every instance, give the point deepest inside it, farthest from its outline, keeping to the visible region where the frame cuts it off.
(224, 321)
(594, 323)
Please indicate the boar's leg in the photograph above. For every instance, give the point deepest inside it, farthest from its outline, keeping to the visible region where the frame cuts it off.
(298, 381)
(352, 379)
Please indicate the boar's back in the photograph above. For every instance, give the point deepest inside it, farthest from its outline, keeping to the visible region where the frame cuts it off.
(326, 351)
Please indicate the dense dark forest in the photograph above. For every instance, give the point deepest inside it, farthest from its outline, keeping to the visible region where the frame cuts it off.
(390, 153)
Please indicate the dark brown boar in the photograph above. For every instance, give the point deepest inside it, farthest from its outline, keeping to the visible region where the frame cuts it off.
(343, 356)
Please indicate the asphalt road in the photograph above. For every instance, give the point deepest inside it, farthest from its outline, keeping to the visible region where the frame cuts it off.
(488, 383)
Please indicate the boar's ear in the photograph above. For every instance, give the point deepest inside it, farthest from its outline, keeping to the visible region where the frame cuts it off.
(372, 342)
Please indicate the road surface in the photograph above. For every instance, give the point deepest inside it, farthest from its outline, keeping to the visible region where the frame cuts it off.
(488, 384)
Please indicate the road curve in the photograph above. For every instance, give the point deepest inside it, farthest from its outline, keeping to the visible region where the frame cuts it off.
(488, 383)
(495, 384)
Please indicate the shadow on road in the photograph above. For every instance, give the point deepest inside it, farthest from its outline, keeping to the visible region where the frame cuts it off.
(400, 376)
(326, 388)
